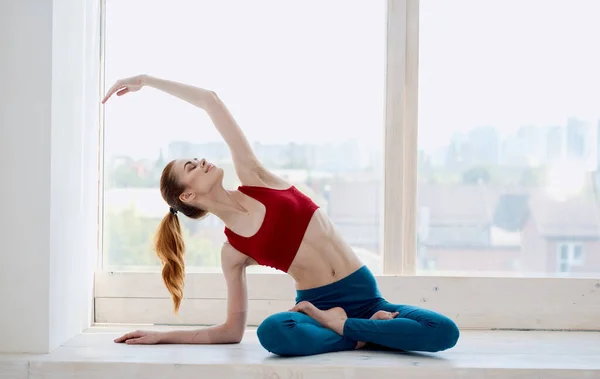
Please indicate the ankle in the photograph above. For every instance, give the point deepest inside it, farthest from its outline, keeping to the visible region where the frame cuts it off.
(338, 326)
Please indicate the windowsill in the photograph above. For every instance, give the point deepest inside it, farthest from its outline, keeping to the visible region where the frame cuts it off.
(260, 270)
(479, 354)
(516, 303)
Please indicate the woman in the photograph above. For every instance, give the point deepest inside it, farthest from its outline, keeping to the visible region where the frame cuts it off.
(269, 222)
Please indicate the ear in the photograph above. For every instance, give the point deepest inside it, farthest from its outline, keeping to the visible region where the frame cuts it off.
(187, 196)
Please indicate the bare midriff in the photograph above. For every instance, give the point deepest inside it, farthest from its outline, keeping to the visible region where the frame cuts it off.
(323, 257)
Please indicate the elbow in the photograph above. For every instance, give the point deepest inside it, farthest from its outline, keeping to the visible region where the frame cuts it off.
(212, 97)
(236, 337)
(232, 339)
(232, 335)
(209, 101)
(236, 340)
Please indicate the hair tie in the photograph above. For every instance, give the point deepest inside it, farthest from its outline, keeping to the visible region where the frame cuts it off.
(173, 211)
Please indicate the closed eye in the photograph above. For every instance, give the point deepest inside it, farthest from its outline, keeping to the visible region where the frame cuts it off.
(188, 165)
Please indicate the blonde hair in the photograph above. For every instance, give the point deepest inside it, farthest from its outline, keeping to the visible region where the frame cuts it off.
(168, 242)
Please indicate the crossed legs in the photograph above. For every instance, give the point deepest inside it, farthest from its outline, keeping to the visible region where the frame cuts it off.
(307, 330)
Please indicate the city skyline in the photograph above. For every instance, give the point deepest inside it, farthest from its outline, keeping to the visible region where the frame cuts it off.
(528, 146)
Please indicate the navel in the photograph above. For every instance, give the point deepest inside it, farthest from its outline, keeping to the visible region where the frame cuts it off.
(332, 272)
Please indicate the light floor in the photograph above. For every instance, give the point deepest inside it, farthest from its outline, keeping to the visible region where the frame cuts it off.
(479, 354)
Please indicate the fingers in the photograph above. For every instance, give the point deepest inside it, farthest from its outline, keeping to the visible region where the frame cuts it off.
(117, 86)
(128, 336)
(136, 341)
(123, 338)
(122, 91)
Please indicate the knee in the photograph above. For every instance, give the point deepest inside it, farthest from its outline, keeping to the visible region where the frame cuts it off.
(273, 333)
(447, 335)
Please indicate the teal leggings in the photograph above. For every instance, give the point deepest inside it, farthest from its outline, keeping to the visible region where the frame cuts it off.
(414, 329)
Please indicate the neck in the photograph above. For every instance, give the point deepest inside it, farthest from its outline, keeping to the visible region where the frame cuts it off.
(224, 204)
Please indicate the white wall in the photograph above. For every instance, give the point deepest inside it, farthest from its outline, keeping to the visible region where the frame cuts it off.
(48, 171)
(74, 167)
(26, 80)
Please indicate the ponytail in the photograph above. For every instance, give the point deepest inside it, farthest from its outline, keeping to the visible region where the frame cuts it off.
(168, 242)
(170, 248)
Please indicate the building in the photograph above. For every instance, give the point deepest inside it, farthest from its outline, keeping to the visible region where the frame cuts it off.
(457, 233)
(554, 144)
(478, 228)
(562, 237)
(579, 140)
(483, 146)
(355, 208)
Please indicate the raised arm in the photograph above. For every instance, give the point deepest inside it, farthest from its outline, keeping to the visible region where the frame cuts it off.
(231, 331)
(247, 166)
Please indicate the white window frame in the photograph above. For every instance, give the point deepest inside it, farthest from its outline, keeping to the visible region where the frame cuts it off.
(571, 260)
(473, 302)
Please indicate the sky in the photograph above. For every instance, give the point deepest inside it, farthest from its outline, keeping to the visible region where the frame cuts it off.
(314, 71)
(507, 63)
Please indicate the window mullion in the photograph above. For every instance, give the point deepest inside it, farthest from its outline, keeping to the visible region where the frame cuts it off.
(401, 137)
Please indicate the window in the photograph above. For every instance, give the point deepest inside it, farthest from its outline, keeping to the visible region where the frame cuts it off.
(578, 254)
(564, 252)
(569, 255)
(447, 231)
(307, 87)
(508, 136)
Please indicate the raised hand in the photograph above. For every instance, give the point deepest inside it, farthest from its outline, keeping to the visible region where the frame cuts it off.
(123, 86)
(140, 337)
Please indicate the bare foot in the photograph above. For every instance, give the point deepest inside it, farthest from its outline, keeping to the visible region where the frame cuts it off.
(379, 315)
(333, 318)
(383, 315)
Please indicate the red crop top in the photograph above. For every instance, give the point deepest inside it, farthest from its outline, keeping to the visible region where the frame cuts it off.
(287, 215)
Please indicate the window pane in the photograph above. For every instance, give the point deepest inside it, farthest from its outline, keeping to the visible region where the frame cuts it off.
(578, 254)
(564, 253)
(305, 81)
(508, 136)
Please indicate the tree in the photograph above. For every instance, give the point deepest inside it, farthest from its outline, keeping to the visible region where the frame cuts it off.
(512, 212)
(123, 176)
(128, 240)
(125, 172)
(476, 175)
